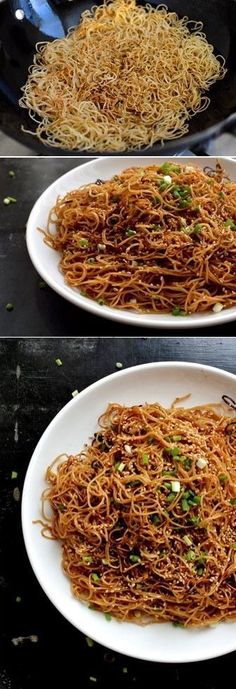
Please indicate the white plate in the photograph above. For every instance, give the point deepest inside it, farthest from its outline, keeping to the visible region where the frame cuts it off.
(46, 260)
(68, 431)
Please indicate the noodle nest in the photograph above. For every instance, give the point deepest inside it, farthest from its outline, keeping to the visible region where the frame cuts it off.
(128, 76)
(158, 239)
(146, 515)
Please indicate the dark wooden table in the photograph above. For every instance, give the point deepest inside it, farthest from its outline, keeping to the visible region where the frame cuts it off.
(33, 389)
(42, 311)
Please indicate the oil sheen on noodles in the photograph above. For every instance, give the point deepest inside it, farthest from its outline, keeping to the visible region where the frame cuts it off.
(126, 77)
(157, 239)
(146, 515)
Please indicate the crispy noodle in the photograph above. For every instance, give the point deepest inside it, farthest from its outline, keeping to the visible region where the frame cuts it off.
(140, 242)
(127, 76)
(147, 532)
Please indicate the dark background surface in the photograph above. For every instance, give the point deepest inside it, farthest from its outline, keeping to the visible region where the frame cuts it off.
(42, 311)
(33, 389)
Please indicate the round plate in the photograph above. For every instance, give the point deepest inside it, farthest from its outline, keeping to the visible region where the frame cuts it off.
(69, 430)
(46, 260)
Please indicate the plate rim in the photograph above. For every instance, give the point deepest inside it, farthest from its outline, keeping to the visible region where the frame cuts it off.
(30, 471)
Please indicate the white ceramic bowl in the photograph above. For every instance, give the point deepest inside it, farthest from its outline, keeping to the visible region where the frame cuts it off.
(68, 431)
(46, 260)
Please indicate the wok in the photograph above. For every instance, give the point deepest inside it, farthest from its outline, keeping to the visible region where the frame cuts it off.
(40, 20)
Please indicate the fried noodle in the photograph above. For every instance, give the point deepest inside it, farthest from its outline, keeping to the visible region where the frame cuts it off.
(126, 77)
(148, 241)
(146, 515)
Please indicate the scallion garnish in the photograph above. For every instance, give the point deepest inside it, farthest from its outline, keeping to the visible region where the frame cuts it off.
(130, 232)
(58, 362)
(8, 200)
(134, 558)
(89, 642)
(87, 558)
(185, 505)
(190, 555)
(145, 458)
(177, 311)
(233, 501)
(230, 223)
(14, 475)
(119, 466)
(173, 451)
(83, 243)
(167, 168)
(95, 576)
(9, 307)
(223, 479)
(108, 616)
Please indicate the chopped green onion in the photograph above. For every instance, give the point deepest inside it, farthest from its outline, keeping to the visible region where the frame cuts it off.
(9, 307)
(169, 167)
(173, 451)
(93, 679)
(185, 203)
(58, 362)
(155, 519)
(18, 599)
(187, 463)
(145, 458)
(91, 260)
(175, 438)
(95, 576)
(194, 520)
(187, 540)
(124, 670)
(87, 558)
(89, 642)
(223, 479)
(230, 223)
(101, 247)
(100, 301)
(83, 243)
(163, 186)
(185, 505)
(119, 466)
(8, 200)
(200, 571)
(177, 624)
(233, 501)
(177, 311)
(167, 485)
(108, 616)
(196, 500)
(197, 228)
(221, 195)
(130, 233)
(134, 558)
(119, 364)
(14, 474)
(233, 546)
(175, 486)
(11, 173)
(171, 497)
(190, 555)
(74, 393)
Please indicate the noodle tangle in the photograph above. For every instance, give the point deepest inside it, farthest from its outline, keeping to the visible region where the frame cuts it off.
(157, 239)
(146, 515)
(128, 76)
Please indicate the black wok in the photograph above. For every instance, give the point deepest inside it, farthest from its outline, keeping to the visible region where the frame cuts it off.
(47, 20)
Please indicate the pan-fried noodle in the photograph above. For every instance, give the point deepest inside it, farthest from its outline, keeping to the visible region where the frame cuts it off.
(146, 515)
(126, 77)
(156, 239)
